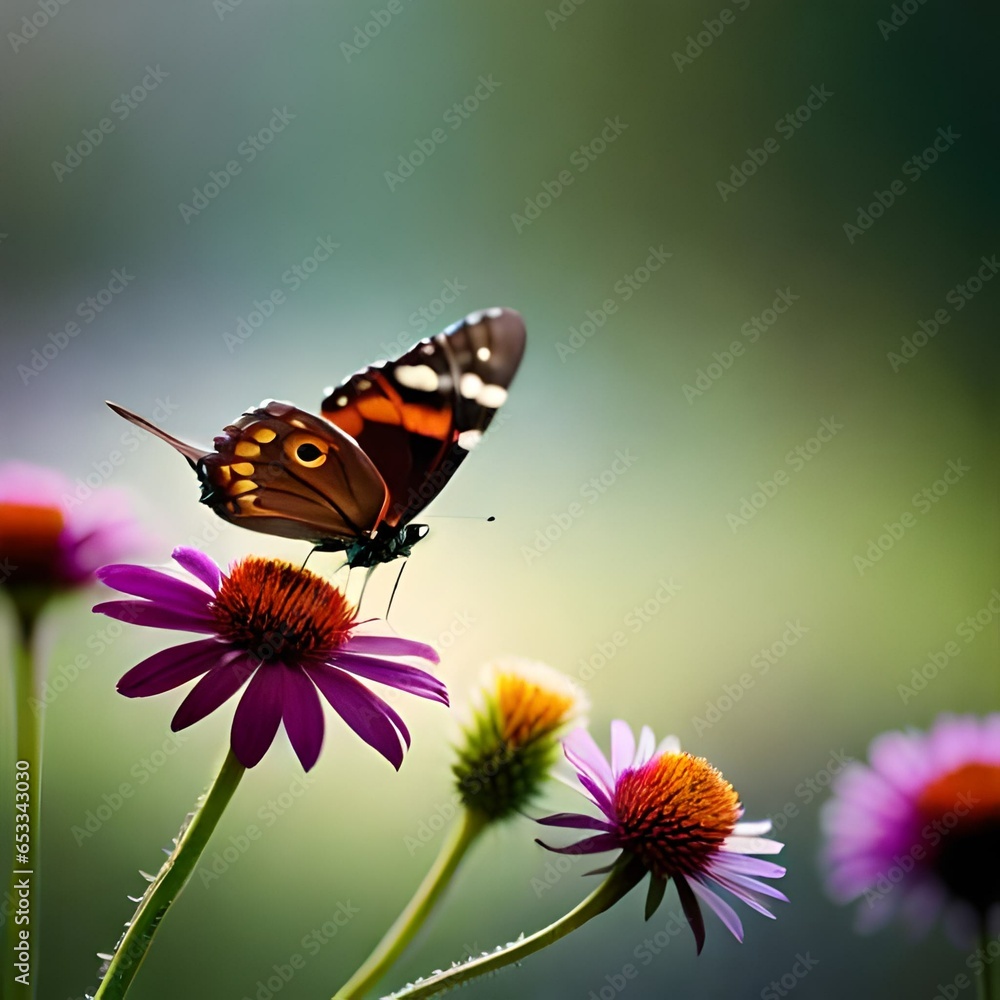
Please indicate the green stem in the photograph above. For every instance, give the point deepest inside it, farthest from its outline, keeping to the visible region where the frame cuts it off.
(20, 978)
(401, 933)
(623, 878)
(169, 882)
(985, 979)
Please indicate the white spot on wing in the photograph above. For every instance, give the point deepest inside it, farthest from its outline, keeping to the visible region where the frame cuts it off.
(495, 313)
(492, 396)
(423, 378)
(470, 385)
(473, 318)
(427, 347)
(483, 354)
(341, 401)
(468, 440)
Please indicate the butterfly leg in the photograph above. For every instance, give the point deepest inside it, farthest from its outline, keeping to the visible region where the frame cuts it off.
(394, 586)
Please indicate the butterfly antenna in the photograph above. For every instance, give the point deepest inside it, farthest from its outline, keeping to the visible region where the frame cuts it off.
(394, 588)
(309, 556)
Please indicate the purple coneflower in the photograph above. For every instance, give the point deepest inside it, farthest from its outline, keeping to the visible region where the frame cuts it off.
(51, 540)
(288, 632)
(917, 831)
(676, 815)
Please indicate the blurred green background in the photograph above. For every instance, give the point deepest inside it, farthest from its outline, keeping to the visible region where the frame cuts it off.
(662, 534)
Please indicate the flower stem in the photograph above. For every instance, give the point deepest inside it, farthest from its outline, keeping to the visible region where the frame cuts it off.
(22, 894)
(623, 878)
(169, 882)
(402, 932)
(985, 979)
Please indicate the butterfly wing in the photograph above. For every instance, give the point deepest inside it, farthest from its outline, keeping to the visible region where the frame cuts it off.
(282, 471)
(418, 417)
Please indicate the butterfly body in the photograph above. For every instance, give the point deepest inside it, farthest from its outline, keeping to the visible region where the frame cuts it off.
(389, 438)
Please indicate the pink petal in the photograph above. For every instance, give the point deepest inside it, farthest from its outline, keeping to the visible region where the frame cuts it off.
(172, 667)
(215, 688)
(155, 585)
(586, 756)
(576, 820)
(153, 616)
(398, 675)
(302, 714)
(622, 747)
(721, 908)
(258, 715)
(369, 716)
(199, 565)
(390, 645)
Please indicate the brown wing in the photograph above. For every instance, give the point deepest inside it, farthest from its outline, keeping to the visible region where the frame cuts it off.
(418, 417)
(282, 471)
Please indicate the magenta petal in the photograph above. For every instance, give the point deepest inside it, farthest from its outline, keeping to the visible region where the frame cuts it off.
(589, 845)
(576, 820)
(215, 688)
(398, 675)
(199, 565)
(390, 645)
(599, 796)
(155, 585)
(302, 714)
(171, 667)
(367, 714)
(258, 714)
(153, 616)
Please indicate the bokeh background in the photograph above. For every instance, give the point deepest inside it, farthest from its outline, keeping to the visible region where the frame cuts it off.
(659, 534)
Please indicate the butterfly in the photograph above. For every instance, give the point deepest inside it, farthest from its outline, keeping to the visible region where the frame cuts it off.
(387, 441)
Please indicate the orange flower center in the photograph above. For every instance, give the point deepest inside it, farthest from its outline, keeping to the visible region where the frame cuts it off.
(280, 612)
(29, 542)
(674, 813)
(960, 812)
(528, 711)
